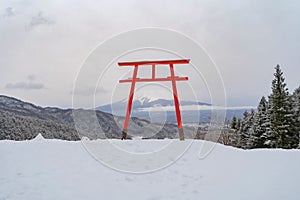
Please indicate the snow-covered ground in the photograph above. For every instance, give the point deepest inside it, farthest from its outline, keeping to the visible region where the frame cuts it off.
(54, 169)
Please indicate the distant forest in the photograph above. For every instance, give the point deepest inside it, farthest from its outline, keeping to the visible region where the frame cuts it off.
(14, 127)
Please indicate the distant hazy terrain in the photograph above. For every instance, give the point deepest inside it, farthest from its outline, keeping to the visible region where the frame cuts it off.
(158, 110)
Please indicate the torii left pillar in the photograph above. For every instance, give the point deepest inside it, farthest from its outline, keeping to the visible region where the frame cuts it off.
(171, 78)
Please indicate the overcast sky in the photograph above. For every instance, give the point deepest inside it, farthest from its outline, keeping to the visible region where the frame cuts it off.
(44, 43)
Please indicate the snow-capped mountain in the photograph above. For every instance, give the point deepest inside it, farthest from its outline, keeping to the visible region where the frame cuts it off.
(159, 109)
(146, 103)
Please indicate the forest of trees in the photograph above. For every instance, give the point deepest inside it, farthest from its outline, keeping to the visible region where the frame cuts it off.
(14, 127)
(275, 124)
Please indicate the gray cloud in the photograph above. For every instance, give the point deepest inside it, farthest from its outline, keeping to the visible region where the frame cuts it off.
(9, 12)
(24, 86)
(38, 20)
(245, 38)
(31, 77)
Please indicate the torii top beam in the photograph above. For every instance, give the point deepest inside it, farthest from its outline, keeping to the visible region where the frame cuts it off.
(159, 62)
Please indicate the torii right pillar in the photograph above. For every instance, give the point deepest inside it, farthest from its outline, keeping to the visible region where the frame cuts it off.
(176, 103)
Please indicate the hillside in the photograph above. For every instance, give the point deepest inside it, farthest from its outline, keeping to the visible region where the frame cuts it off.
(21, 120)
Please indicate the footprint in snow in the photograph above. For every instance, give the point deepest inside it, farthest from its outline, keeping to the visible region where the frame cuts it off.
(128, 179)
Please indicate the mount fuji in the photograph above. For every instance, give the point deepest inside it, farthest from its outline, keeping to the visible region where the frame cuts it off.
(145, 103)
(162, 109)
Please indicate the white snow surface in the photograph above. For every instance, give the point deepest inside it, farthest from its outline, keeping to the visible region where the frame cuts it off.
(61, 170)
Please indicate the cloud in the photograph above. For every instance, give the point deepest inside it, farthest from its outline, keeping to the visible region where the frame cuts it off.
(31, 77)
(246, 39)
(24, 86)
(9, 12)
(38, 20)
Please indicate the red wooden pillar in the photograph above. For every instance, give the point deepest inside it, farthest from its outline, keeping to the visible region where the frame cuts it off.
(129, 105)
(153, 71)
(176, 102)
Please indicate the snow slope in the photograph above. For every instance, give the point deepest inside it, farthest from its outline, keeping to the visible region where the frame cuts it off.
(54, 169)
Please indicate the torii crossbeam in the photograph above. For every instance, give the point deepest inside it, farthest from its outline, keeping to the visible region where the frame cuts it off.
(171, 78)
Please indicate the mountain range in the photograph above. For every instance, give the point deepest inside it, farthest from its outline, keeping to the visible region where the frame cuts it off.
(144, 102)
(21, 120)
(158, 110)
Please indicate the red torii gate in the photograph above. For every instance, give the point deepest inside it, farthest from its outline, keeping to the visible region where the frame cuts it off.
(171, 78)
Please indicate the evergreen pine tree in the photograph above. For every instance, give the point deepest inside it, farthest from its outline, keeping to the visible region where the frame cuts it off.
(296, 104)
(296, 96)
(261, 125)
(296, 109)
(297, 101)
(282, 133)
(233, 124)
(238, 124)
(246, 129)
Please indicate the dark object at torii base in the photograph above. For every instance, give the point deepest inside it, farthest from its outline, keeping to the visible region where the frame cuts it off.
(171, 78)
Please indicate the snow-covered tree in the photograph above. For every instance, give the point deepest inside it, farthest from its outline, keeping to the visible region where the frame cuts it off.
(238, 124)
(259, 138)
(233, 124)
(296, 103)
(296, 108)
(246, 129)
(282, 124)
